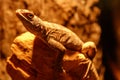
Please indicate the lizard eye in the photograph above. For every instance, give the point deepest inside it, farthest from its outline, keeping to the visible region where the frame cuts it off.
(30, 15)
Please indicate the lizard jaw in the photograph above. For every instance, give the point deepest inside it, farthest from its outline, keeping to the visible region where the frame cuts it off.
(20, 12)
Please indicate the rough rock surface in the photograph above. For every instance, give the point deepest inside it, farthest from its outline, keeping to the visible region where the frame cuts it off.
(34, 60)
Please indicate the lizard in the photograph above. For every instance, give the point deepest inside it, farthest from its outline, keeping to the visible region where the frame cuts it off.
(54, 35)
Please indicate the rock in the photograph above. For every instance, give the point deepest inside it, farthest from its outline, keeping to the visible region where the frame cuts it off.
(34, 60)
(78, 67)
(31, 59)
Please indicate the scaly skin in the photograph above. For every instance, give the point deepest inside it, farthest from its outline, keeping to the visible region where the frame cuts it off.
(56, 36)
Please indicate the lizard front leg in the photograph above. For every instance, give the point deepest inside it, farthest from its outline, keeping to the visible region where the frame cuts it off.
(57, 45)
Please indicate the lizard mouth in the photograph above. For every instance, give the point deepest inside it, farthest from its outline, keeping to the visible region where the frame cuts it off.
(20, 13)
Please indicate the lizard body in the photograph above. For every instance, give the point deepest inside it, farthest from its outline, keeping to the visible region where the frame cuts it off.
(56, 36)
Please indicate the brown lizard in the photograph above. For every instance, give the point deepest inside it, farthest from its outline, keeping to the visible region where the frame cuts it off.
(56, 36)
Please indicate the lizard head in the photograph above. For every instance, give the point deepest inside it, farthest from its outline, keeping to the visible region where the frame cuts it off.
(29, 20)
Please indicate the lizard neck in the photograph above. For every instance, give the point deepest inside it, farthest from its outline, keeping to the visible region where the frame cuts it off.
(43, 29)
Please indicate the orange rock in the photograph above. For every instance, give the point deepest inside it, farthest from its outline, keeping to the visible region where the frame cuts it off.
(34, 60)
